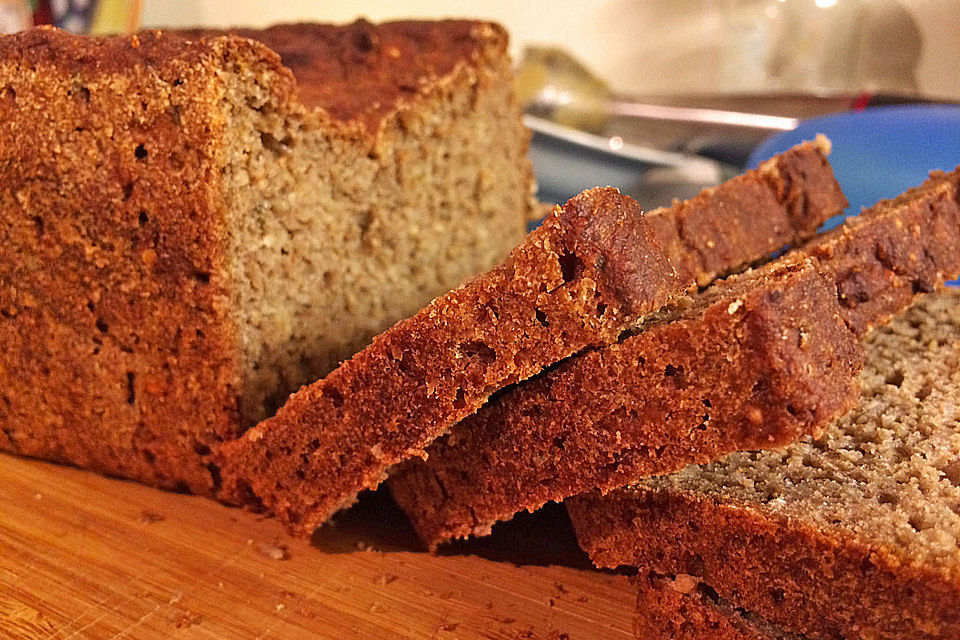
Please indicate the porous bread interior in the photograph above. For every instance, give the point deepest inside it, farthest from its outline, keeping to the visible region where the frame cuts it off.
(700, 596)
(887, 473)
(336, 239)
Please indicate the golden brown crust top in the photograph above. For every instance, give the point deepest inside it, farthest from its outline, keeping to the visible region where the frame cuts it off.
(171, 58)
(364, 72)
(104, 55)
(356, 73)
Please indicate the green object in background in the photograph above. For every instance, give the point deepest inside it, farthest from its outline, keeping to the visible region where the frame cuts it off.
(116, 16)
(553, 84)
(97, 17)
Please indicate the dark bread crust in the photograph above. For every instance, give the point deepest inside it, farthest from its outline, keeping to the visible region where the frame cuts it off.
(760, 361)
(605, 418)
(120, 342)
(359, 74)
(104, 56)
(682, 608)
(893, 251)
(750, 216)
(363, 72)
(591, 270)
(512, 456)
(790, 574)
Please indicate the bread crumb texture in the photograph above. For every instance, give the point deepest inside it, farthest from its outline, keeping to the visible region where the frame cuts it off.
(888, 473)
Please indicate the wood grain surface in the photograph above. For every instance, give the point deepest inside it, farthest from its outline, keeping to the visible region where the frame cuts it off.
(87, 557)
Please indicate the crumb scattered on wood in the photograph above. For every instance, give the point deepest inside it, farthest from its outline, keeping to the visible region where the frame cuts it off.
(386, 579)
(149, 517)
(274, 550)
(449, 626)
(188, 619)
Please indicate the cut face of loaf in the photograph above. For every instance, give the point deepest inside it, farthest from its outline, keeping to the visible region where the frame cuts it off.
(689, 393)
(591, 270)
(191, 231)
(852, 535)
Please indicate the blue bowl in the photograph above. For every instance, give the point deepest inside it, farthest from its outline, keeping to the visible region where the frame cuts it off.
(879, 152)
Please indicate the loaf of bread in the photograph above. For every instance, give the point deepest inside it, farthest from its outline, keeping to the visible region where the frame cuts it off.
(194, 226)
(852, 535)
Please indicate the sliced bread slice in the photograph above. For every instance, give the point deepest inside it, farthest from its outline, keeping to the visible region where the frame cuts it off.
(852, 535)
(677, 395)
(755, 361)
(594, 269)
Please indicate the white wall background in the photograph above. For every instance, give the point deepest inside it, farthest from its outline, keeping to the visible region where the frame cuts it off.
(638, 45)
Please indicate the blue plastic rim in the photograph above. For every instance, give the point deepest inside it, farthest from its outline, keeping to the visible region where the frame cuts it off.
(879, 152)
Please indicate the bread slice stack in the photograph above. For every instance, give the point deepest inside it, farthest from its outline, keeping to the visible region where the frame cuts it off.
(850, 535)
(595, 271)
(754, 361)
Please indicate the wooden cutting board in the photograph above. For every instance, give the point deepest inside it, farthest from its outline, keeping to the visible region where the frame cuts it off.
(86, 557)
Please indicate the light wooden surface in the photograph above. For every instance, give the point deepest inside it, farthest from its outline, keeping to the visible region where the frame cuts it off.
(86, 557)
